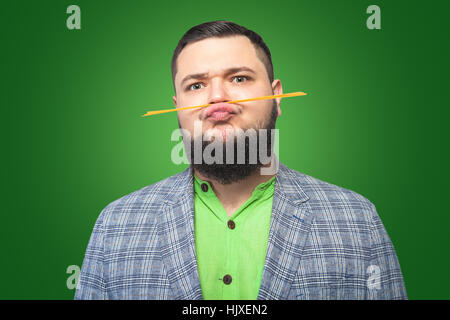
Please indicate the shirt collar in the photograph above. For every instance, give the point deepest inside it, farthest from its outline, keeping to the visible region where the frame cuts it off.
(259, 191)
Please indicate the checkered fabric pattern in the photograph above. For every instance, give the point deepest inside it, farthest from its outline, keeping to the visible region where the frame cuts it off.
(325, 242)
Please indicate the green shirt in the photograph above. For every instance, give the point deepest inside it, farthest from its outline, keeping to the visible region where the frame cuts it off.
(231, 246)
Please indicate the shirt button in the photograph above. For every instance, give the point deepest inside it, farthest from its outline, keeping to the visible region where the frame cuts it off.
(204, 187)
(231, 224)
(227, 279)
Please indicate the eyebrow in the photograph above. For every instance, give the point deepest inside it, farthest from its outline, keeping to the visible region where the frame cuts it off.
(201, 76)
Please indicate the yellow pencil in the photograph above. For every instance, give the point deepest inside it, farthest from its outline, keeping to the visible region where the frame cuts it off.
(285, 95)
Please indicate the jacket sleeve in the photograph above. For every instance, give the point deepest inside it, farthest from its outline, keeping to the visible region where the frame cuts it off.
(91, 282)
(384, 276)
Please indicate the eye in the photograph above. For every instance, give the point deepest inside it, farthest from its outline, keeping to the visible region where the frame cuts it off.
(241, 78)
(194, 85)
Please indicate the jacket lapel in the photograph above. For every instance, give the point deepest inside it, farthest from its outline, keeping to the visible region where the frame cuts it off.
(176, 229)
(289, 227)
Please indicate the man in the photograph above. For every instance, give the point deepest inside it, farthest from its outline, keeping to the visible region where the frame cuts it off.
(226, 230)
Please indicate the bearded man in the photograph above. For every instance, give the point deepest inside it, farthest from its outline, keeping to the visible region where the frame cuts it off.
(237, 224)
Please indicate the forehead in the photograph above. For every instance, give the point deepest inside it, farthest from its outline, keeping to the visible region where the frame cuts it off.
(215, 54)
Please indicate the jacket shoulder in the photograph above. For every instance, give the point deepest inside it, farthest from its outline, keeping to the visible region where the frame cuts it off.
(326, 195)
(142, 203)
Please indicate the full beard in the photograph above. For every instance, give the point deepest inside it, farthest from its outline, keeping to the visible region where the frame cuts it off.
(225, 172)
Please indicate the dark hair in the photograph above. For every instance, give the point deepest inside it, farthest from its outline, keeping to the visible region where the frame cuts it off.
(221, 29)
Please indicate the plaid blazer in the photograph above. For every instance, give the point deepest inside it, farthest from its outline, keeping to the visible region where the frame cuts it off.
(325, 242)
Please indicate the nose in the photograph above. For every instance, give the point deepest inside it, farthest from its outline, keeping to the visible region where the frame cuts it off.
(218, 92)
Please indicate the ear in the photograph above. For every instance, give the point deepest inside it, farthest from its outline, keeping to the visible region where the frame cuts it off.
(174, 98)
(277, 89)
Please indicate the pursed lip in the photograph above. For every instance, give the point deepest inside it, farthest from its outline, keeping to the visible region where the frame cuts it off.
(220, 111)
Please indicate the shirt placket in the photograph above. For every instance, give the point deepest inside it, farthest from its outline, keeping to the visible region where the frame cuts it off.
(230, 272)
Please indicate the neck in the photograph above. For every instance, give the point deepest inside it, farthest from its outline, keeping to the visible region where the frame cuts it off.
(234, 194)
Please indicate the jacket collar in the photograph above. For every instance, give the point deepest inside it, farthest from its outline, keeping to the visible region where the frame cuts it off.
(289, 227)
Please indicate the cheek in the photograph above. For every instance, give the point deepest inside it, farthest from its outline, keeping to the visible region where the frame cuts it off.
(185, 123)
(194, 98)
(258, 111)
(258, 117)
(187, 117)
(188, 122)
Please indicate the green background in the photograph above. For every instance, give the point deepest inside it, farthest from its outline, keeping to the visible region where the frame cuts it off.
(375, 119)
